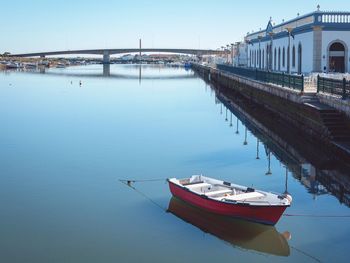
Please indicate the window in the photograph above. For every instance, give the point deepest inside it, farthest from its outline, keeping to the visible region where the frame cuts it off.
(283, 57)
(263, 59)
(279, 58)
(293, 57)
(274, 60)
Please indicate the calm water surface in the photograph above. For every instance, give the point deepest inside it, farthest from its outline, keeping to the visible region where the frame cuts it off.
(64, 147)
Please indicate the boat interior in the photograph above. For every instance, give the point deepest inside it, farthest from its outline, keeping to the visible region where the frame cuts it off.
(224, 191)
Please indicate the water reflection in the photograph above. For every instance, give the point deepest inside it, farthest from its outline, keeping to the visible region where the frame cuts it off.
(317, 170)
(108, 71)
(240, 233)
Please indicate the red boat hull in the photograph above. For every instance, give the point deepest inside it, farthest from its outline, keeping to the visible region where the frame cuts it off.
(263, 214)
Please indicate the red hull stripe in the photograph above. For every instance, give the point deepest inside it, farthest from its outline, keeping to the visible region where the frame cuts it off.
(262, 214)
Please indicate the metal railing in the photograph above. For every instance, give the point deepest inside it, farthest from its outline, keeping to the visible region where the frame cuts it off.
(339, 87)
(282, 79)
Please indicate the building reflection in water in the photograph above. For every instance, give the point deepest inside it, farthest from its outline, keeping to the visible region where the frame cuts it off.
(239, 233)
(318, 176)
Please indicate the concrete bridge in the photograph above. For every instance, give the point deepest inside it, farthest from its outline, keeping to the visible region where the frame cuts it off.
(106, 53)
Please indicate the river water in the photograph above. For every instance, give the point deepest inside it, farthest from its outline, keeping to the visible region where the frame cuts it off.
(65, 146)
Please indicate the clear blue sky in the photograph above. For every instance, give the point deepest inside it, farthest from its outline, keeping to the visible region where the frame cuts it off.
(42, 25)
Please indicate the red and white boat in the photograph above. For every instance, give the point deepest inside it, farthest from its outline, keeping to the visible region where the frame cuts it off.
(230, 199)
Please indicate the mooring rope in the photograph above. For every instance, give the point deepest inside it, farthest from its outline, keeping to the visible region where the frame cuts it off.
(128, 183)
(142, 180)
(311, 215)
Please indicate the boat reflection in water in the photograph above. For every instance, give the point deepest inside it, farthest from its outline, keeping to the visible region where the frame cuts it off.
(244, 234)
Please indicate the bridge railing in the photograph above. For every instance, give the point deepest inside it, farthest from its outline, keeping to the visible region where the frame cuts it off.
(339, 87)
(295, 82)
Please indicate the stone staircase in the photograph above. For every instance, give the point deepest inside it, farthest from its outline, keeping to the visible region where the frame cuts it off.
(333, 120)
(336, 125)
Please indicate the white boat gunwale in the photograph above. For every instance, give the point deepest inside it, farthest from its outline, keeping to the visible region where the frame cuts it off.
(283, 199)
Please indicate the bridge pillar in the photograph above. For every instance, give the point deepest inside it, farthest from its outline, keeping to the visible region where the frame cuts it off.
(106, 57)
(106, 70)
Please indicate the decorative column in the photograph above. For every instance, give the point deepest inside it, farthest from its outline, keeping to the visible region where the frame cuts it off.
(317, 49)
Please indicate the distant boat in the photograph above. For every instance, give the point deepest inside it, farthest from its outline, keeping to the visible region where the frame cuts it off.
(30, 65)
(60, 65)
(241, 233)
(14, 65)
(230, 199)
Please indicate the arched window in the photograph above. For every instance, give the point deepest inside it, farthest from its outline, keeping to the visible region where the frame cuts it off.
(279, 59)
(250, 53)
(267, 57)
(255, 58)
(275, 59)
(283, 57)
(263, 59)
(293, 57)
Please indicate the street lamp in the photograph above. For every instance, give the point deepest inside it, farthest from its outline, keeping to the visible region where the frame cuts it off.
(228, 54)
(271, 49)
(260, 37)
(289, 29)
(232, 53)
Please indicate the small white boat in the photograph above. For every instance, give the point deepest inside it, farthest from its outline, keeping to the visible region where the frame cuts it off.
(60, 65)
(14, 65)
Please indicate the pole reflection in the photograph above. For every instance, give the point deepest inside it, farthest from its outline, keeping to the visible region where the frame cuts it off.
(319, 172)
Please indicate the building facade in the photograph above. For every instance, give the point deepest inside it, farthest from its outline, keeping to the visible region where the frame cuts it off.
(315, 42)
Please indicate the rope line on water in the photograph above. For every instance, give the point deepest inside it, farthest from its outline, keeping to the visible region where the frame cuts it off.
(142, 180)
(128, 183)
(310, 215)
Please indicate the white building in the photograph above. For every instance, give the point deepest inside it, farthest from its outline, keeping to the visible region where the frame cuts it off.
(239, 54)
(316, 42)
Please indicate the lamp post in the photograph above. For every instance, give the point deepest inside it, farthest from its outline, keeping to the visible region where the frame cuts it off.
(223, 52)
(270, 51)
(232, 53)
(289, 29)
(260, 37)
(228, 53)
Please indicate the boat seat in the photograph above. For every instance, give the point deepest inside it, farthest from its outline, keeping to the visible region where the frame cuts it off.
(244, 196)
(218, 192)
(200, 185)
